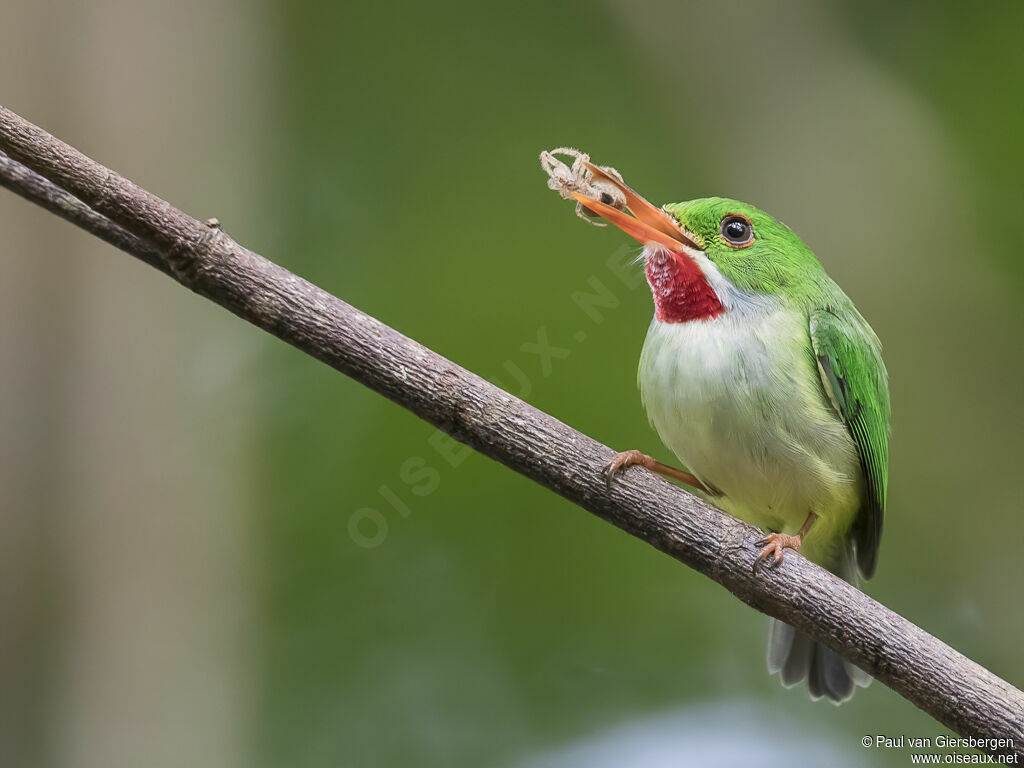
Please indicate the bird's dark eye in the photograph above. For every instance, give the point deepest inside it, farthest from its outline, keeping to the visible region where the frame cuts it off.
(737, 230)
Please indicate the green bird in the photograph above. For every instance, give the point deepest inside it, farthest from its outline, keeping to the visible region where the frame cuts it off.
(768, 385)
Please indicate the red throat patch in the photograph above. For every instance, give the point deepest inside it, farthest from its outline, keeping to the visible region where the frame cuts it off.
(681, 291)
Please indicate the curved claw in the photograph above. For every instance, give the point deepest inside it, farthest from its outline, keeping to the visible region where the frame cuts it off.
(774, 546)
(620, 462)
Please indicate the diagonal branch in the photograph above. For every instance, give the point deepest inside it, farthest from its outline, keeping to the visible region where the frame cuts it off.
(957, 692)
(41, 191)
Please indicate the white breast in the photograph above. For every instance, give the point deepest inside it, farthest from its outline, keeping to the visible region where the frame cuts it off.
(739, 400)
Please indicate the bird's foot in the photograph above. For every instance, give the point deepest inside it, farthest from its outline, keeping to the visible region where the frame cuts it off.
(624, 460)
(774, 545)
(634, 458)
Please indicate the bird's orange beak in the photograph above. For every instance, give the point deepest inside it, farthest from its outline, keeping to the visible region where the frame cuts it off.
(648, 224)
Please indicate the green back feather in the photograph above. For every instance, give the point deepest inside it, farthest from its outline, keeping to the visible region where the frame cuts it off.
(854, 376)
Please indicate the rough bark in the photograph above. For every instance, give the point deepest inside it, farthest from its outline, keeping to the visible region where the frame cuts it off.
(957, 692)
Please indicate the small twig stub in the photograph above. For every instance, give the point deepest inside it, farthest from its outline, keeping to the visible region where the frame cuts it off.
(568, 180)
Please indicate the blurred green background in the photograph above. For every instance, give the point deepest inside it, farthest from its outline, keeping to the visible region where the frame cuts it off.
(216, 551)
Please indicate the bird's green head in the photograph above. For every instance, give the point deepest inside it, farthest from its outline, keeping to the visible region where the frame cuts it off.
(752, 250)
(708, 256)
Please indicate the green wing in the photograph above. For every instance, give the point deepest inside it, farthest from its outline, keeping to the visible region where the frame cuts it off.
(850, 362)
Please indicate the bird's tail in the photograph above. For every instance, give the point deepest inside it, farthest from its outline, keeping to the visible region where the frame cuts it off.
(796, 657)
